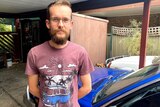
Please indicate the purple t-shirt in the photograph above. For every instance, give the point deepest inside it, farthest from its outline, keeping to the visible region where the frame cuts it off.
(58, 70)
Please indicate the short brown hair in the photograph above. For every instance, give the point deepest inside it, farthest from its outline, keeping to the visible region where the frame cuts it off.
(58, 2)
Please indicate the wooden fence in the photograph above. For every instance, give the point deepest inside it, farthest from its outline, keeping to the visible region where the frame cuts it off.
(118, 48)
(7, 42)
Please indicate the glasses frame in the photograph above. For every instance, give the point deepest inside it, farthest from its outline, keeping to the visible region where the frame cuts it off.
(57, 20)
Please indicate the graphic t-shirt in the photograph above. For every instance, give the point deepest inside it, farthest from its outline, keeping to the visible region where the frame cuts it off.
(58, 70)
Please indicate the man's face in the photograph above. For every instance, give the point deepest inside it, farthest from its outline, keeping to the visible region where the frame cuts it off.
(59, 24)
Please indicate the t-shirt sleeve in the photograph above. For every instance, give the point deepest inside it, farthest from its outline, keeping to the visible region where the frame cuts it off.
(31, 68)
(86, 65)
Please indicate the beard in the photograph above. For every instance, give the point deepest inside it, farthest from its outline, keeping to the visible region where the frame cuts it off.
(59, 40)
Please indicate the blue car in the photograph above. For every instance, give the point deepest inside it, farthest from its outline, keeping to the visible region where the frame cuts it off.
(122, 88)
(117, 88)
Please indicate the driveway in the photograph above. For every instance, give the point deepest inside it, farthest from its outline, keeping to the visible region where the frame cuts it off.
(12, 85)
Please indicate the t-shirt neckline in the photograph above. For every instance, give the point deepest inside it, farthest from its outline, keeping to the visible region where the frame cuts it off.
(58, 48)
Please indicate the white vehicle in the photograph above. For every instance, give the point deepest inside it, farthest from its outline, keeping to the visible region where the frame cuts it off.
(129, 62)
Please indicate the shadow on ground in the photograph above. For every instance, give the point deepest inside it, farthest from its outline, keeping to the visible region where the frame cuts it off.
(13, 83)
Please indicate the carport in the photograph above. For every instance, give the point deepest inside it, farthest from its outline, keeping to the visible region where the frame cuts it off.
(29, 8)
(24, 9)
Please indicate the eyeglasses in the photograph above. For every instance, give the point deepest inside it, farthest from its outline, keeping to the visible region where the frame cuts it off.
(57, 20)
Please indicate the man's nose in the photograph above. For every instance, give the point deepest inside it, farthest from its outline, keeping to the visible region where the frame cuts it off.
(61, 23)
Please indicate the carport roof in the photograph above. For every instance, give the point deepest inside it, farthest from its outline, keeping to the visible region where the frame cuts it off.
(101, 8)
(123, 10)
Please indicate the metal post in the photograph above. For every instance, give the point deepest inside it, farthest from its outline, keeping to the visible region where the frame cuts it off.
(144, 34)
(110, 45)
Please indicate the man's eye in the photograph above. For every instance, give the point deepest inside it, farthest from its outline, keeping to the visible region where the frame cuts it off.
(65, 20)
(55, 19)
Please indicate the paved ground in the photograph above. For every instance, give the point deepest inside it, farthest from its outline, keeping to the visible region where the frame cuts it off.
(12, 86)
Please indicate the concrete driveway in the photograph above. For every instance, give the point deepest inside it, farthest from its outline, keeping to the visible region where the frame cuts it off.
(13, 83)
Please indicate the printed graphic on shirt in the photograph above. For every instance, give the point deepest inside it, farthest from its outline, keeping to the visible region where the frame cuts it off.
(57, 87)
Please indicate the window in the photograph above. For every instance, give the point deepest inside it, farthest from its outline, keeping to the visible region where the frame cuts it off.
(146, 97)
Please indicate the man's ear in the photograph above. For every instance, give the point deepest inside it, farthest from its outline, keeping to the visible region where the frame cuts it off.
(47, 24)
(71, 24)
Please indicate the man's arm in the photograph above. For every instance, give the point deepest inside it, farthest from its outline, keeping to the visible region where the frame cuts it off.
(86, 85)
(33, 85)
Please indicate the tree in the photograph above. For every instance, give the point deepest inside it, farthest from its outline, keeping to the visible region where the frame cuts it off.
(4, 27)
(132, 42)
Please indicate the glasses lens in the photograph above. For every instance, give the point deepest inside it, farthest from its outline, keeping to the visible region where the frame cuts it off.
(57, 20)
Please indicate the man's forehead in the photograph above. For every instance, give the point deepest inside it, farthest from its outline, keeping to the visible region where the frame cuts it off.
(60, 10)
(61, 7)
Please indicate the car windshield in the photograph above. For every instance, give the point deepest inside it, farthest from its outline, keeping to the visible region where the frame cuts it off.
(125, 81)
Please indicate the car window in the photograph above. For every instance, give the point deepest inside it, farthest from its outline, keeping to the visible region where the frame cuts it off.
(126, 81)
(146, 97)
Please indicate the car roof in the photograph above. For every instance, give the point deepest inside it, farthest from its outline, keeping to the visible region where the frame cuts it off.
(130, 63)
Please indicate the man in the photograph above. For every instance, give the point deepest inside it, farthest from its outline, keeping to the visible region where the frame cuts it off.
(54, 66)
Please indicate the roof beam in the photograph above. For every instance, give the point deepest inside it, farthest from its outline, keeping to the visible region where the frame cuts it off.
(95, 4)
